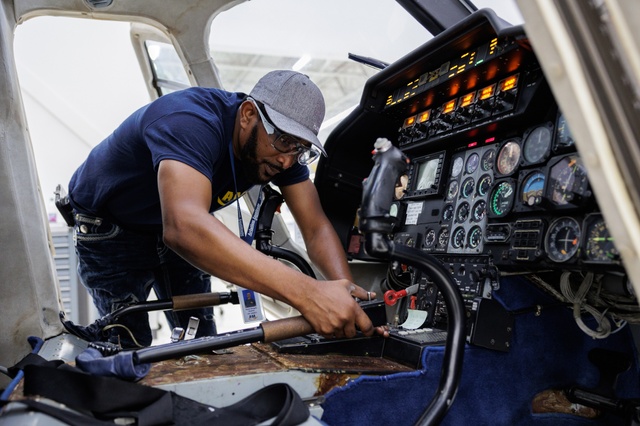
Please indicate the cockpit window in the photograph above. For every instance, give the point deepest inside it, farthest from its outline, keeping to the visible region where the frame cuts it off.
(168, 71)
(316, 40)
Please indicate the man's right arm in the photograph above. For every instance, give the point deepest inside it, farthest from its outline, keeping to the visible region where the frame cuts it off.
(196, 235)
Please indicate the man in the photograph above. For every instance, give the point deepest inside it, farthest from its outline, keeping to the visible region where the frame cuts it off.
(143, 200)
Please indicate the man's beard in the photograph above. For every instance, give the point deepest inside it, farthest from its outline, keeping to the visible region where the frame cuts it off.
(249, 159)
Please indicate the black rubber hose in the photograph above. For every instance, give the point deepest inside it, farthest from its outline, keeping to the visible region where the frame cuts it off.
(290, 256)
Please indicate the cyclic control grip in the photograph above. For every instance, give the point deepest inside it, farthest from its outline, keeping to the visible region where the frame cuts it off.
(379, 187)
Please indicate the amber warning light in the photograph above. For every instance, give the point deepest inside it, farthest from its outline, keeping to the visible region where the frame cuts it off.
(509, 83)
(449, 107)
(467, 99)
(487, 92)
(408, 122)
(424, 116)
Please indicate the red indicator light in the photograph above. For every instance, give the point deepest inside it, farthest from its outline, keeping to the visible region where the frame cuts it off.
(472, 144)
(490, 140)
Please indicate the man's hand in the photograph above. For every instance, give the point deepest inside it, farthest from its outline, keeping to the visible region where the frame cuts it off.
(333, 312)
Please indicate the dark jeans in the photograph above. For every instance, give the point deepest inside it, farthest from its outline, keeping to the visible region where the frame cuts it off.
(120, 267)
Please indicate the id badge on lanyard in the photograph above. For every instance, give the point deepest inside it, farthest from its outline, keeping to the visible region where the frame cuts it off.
(250, 301)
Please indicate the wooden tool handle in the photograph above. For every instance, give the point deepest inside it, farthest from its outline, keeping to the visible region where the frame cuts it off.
(285, 328)
(191, 301)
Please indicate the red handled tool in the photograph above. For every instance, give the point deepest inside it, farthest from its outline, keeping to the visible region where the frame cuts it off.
(391, 297)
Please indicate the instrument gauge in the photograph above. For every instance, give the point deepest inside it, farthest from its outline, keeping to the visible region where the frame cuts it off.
(532, 189)
(479, 211)
(443, 237)
(537, 145)
(457, 238)
(472, 163)
(393, 210)
(501, 198)
(458, 162)
(487, 160)
(563, 239)
(508, 157)
(447, 213)
(468, 186)
(599, 245)
(484, 184)
(568, 183)
(475, 237)
(462, 213)
(452, 190)
(429, 238)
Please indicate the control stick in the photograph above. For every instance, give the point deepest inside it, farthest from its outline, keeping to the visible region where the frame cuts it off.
(376, 224)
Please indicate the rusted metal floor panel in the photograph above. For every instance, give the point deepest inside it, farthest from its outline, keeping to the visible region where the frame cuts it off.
(261, 358)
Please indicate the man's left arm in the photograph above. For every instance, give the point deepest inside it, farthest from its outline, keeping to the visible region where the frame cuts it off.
(323, 245)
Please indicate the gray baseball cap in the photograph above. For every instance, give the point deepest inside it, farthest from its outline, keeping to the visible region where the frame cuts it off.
(293, 103)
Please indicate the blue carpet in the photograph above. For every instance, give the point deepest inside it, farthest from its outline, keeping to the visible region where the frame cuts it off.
(548, 352)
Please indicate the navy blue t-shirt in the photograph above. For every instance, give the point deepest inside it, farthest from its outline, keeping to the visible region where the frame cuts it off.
(119, 181)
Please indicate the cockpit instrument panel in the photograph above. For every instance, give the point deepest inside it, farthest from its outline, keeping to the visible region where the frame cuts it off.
(494, 170)
(496, 185)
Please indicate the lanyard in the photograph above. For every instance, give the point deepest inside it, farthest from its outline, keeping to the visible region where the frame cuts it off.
(251, 230)
(250, 301)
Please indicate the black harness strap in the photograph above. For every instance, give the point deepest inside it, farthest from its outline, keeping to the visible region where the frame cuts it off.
(108, 398)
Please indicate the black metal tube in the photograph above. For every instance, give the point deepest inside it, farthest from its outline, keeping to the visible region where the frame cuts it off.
(376, 225)
(154, 305)
(199, 345)
(454, 349)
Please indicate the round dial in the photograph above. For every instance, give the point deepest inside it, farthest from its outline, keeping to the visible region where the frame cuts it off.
(467, 187)
(430, 238)
(447, 213)
(458, 162)
(537, 145)
(484, 184)
(452, 190)
(568, 181)
(479, 211)
(487, 160)
(443, 237)
(462, 213)
(457, 238)
(532, 189)
(393, 210)
(475, 237)
(501, 199)
(599, 245)
(472, 163)
(508, 158)
(563, 239)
